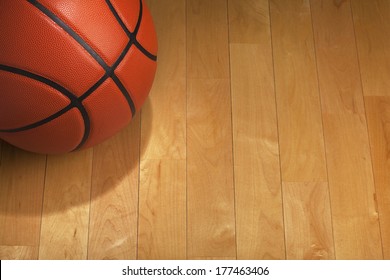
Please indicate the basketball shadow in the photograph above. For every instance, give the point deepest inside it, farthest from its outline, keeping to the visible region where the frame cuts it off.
(37, 185)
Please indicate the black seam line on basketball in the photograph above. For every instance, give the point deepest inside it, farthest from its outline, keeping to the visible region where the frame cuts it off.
(132, 35)
(106, 75)
(123, 54)
(127, 95)
(137, 44)
(87, 125)
(74, 102)
(93, 88)
(89, 49)
(122, 24)
(116, 81)
(41, 122)
(141, 12)
(119, 20)
(61, 89)
(145, 52)
(71, 32)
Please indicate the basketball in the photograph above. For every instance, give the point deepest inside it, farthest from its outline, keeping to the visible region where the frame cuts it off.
(72, 72)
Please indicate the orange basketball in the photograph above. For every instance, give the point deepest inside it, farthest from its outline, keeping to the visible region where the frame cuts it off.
(72, 72)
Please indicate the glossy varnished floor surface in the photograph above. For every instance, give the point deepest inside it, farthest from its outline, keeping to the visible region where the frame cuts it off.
(266, 136)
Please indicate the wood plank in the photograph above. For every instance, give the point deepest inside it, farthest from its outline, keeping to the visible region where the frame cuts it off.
(21, 192)
(352, 191)
(162, 206)
(65, 217)
(308, 221)
(260, 233)
(259, 215)
(162, 230)
(210, 193)
(18, 252)
(302, 149)
(210, 190)
(249, 22)
(114, 196)
(372, 25)
(378, 117)
(207, 39)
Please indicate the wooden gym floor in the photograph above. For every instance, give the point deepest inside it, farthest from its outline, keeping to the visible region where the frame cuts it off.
(266, 136)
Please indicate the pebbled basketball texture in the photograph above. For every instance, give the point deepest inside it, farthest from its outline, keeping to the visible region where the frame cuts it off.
(72, 72)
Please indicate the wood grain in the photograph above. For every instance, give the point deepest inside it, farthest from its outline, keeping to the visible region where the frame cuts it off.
(249, 23)
(114, 196)
(65, 217)
(207, 39)
(259, 217)
(299, 112)
(162, 232)
(256, 159)
(210, 192)
(162, 206)
(301, 139)
(308, 221)
(18, 252)
(378, 117)
(21, 192)
(352, 190)
(372, 25)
